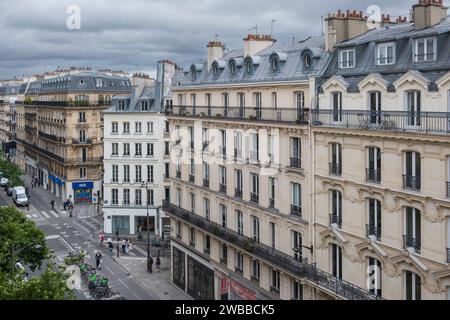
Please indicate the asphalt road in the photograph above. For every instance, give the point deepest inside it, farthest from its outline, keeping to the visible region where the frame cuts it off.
(65, 234)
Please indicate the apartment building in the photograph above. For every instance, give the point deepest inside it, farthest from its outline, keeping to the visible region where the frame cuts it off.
(60, 131)
(136, 160)
(380, 139)
(9, 93)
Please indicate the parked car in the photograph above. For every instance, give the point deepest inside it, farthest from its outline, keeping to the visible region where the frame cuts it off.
(19, 196)
(9, 191)
(4, 181)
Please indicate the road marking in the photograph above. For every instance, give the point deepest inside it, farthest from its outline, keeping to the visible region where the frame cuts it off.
(139, 298)
(55, 236)
(124, 283)
(54, 213)
(34, 215)
(66, 244)
(45, 215)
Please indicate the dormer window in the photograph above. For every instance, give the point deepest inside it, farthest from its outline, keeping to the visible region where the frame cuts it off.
(425, 49)
(121, 105)
(82, 82)
(233, 67)
(307, 60)
(347, 58)
(275, 63)
(386, 54)
(144, 105)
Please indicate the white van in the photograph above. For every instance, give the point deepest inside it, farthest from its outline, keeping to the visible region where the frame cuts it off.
(19, 196)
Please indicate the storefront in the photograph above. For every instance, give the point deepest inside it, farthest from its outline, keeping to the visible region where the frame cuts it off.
(57, 185)
(178, 263)
(141, 221)
(30, 166)
(121, 225)
(82, 191)
(200, 278)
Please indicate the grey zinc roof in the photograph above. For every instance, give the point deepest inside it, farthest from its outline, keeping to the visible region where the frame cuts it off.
(291, 69)
(148, 93)
(9, 90)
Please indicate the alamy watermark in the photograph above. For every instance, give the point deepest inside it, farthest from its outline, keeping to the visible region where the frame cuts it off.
(73, 22)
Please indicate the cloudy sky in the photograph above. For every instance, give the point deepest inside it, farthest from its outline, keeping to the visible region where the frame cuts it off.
(134, 34)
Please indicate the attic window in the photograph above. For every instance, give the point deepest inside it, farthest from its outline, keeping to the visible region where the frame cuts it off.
(249, 65)
(216, 69)
(82, 82)
(233, 67)
(144, 105)
(275, 63)
(307, 60)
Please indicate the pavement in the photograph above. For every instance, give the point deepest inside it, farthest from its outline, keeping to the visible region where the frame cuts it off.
(127, 274)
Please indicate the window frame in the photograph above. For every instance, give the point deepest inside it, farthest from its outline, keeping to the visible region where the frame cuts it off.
(347, 61)
(385, 46)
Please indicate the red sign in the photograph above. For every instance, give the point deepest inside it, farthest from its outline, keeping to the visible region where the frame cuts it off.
(223, 286)
(242, 291)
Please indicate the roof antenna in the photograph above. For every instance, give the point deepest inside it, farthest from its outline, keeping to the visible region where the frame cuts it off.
(216, 36)
(254, 28)
(271, 27)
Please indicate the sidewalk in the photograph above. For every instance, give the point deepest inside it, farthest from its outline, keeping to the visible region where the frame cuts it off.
(158, 283)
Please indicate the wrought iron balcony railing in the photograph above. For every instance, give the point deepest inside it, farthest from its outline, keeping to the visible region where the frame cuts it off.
(178, 174)
(254, 197)
(296, 210)
(411, 182)
(372, 230)
(448, 255)
(82, 141)
(336, 219)
(411, 242)
(335, 168)
(428, 122)
(373, 175)
(271, 203)
(47, 136)
(238, 192)
(448, 189)
(296, 163)
(206, 183)
(191, 178)
(223, 187)
(281, 260)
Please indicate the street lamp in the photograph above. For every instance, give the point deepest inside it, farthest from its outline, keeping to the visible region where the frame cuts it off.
(146, 186)
(15, 252)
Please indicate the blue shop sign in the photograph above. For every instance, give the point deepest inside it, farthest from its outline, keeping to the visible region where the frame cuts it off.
(82, 185)
(56, 180)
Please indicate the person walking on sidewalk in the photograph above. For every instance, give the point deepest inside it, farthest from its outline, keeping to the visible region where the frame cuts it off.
(111, 247)
(52, 203)
(98, 260)
(124, 246)
(101, 237)
(118, 248)
(150, 264)
(158, 264)
(130, 246)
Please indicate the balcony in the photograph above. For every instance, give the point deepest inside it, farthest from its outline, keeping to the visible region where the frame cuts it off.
(222, 187)
(372, 230)
(178, 174)
(254, 156)
(411, 182)
(85, 161)
(296, 210)
(205, 146)
(30, 116)
(448, 189)
(224, 261)
(223, 151)
(47, 136)
(206, 183)
(81, 141)
(448, 255)
(238, 270)
(67, 103)
(288, 115)
(191, 178)
(192, 145)
(30, 129)
(411, 242)
(336, 219)
(275, 290)
(281, 260)
(373, 176)
(254, 197)
(399, 121)
(296, 163)
(272, 203)
(238, 193)
(335, 168)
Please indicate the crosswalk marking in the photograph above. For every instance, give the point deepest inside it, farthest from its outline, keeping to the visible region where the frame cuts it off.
(54, 213)
(45, 215)
(34, 215)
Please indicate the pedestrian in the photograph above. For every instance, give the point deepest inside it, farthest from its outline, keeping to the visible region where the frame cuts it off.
(158, 264)
(118, 249)
(28, 205)
(150, 264)
(140, 232)
(130, 246)
(65, 205)
(101, 237)
(124, 245)
(98, 259)
(111, 247)
(52, 204)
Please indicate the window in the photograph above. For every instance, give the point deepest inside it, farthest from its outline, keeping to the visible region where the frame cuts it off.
(138, 149)
(225, 103)
(272, 234)
(238, 145)
(138, 197)
(296, 198)
(178, 197)
(336, 105)
(150, 173)
(207, 208)
(115, 173)
(386, 53)
(425, 50)
(138, 173)
(239, 263)
(192, 236)
(82, 136)
(223, 215)
(248, 66)
(150, 150)
(144, 105)
(239, 222)
(121, 105)
(347, 58)
(241, 102)
(413, 290)
(81, 117)
(205, 174)
(223, 143)
(375, 107)
(223, 253)
(272, 190)
(150, 126)
(223, 179)
(297, 245)
(254, 180)
(206, 244)
(254, 152)
(114, 149)
(126, 196)
(178, 229)
(257, 98)
(275, 280)
(192, 202)
(166, 148)
(114, 196)
(208, 102)
(126, 173)
(138, 127)
(336, 208)
(413, 107)
(336, 159)
(373, 173)
(166, 123)
(193, 99)
(374, 272)
(412, 227)
(126, 128)
(255, 269)
(412, 173)
(299, 98)
(126, 149)
(336, 261)
(374, 225)
(296, 147)
(275, 63)
(83, 173)
(114, 127)
(255, 228)
(274, 100)
(191, 137)
(297, 290)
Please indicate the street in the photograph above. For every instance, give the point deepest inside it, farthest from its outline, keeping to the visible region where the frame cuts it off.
(64, 234)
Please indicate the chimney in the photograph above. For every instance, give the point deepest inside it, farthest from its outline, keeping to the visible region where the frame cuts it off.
(343, 26)
(255, 43)
(215, 52)
(427, 13)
